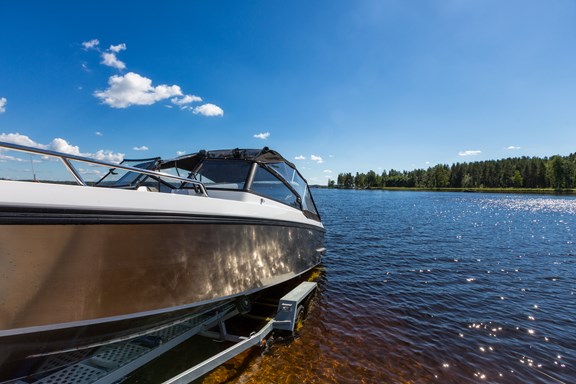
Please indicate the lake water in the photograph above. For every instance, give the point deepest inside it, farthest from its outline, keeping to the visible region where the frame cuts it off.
(422, 287)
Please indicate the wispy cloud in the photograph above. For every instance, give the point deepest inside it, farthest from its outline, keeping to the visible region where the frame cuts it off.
(92, 44)
(117, 48)
(98, 133)
(183, 102)
(86, 172)
(4, 158)
(300, 157)
(141, 148)
(3, 102)
(317, 159)
(328, 171)
(208, 110)
(133, 89)
(109, 59)
(263, 135)
(513, 148)
(469, 153)
(61, 145)
(180, 153)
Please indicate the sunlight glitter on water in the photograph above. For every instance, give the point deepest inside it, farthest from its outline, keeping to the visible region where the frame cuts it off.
(437, 288)
(536, 204)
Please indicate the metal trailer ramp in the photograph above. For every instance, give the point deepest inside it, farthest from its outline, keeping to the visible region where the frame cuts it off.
(285, 320)
(112, 364)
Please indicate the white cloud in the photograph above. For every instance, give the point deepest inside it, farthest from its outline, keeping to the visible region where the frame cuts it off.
(512, 148)
(133, 89)
(187, 99)
(180, 153)
(317, 159)
(16, 138)
(469, 153)
(208, 110)
(263, 135)
(61, 145)
(92, 44)
(109, 59)
(3, 102)
(4, 158)
(300, 157)
(98, 133)
(117, 48)
(327, 171)
(89, 171)
(106, 156)
(141, 148)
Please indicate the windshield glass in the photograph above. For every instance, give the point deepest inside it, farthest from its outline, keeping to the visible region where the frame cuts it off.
(296, 181)
(225, 174)
(267, 184)
(291, 176)
(123, 178)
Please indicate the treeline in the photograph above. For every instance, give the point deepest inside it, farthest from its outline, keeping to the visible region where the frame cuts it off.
(556, 172)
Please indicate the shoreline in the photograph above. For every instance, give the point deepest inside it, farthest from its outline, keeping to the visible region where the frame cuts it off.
(524, 191)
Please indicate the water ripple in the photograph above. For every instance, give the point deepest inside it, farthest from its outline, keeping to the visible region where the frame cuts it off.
(438, 288)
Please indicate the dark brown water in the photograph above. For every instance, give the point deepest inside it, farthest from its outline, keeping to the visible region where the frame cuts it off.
(434, 288)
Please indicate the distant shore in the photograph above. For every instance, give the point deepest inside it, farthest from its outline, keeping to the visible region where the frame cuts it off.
(534, 191)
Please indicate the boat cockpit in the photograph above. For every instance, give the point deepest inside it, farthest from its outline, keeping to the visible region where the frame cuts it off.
(221, 173)
(262, 172)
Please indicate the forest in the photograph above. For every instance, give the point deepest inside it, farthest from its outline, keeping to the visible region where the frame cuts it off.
(556, 172)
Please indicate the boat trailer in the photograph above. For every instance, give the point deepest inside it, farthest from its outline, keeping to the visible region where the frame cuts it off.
(113, 364)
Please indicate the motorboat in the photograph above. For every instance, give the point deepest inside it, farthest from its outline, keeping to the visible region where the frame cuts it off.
(85, 263)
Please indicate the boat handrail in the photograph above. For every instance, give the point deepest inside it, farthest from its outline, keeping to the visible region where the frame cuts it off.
(65, 158)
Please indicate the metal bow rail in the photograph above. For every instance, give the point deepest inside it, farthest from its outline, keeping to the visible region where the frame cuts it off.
(68, 158)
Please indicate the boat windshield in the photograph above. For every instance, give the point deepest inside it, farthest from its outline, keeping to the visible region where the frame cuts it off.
(263, 172)
(293, 191)
(127, 179)
(267, 184)
(223, 174)
(291, 176)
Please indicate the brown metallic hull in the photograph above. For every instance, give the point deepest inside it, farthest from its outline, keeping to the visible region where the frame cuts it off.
(65, 283)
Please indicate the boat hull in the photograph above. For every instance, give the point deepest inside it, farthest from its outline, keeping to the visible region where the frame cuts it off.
(70, 279)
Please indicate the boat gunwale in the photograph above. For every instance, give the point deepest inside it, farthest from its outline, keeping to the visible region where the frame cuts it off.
(42, 215)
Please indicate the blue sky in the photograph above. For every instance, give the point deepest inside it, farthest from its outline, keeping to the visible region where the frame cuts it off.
(335, 86)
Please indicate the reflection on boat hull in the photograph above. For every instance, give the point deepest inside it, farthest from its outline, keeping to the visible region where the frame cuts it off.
(83, 283)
